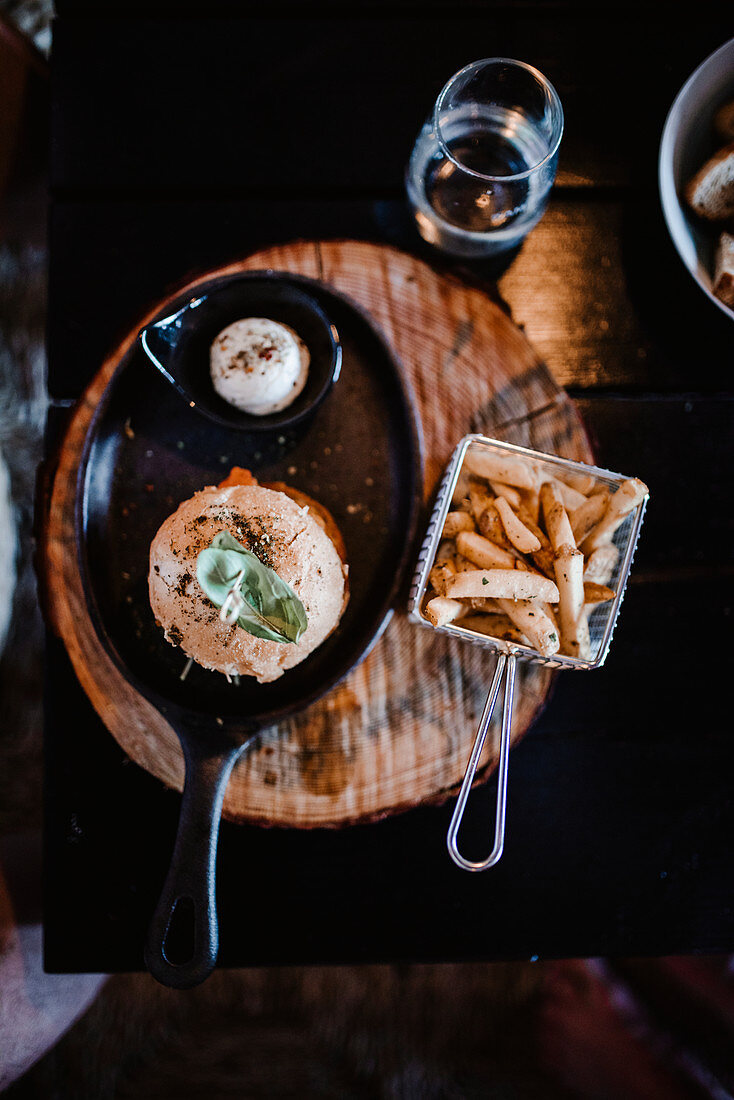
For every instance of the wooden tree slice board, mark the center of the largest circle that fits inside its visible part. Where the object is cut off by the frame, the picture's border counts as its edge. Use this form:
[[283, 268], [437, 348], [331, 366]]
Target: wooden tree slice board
[[398, 730]]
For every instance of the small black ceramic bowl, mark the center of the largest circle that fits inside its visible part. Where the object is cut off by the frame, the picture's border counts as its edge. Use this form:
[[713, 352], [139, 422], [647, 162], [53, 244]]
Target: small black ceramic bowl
[[179, 343]]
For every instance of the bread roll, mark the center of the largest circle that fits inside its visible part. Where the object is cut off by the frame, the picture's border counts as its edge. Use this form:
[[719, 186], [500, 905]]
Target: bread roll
[[724, 270], [724, 122], [711, 191]]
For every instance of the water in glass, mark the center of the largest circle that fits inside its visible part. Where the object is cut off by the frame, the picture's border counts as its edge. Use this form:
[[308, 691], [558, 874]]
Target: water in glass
[[467, 213]]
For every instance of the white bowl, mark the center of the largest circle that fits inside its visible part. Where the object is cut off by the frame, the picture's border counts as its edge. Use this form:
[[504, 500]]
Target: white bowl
[[688, 141]]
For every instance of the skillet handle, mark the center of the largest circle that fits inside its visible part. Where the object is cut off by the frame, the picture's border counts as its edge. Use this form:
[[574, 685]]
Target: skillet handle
[[182, 952]]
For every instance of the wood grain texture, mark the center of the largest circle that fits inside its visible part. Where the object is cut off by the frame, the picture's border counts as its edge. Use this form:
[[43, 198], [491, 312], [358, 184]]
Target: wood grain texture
[[398, 730]]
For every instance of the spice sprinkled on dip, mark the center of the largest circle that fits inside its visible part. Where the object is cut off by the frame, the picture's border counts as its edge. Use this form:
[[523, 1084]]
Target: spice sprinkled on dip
[[258, 365]]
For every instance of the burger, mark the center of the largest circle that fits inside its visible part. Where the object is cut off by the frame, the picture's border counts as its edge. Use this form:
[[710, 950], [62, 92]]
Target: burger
[[248, 579]]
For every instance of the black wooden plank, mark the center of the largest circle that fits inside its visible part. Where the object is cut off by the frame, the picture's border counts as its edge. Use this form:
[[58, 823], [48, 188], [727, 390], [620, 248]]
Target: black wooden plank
[[283, 101], [190, 9], [619, 824], [681, 448], [579, 285], [110, 262]]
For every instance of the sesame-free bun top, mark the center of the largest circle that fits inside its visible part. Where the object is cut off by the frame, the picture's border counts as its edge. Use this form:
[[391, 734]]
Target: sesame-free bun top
[[285, 536]]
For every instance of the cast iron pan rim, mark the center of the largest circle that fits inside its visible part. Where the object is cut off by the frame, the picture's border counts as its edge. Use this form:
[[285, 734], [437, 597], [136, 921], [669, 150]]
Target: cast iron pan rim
[[280, 421], [414, 482]]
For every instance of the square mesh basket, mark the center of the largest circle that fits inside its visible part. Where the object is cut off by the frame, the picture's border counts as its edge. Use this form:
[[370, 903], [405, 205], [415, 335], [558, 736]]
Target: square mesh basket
[[601, 620]]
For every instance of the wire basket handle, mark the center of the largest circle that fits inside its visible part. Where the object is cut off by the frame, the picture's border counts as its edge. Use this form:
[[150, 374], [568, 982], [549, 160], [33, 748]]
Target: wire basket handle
[[504, 664]]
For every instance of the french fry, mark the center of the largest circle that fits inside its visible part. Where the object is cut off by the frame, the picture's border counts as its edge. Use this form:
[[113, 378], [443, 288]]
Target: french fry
[[569, 497], [505, 468], [440, 611], [543, 561], [482, 603], [455, 522], [440, 574], [530, 505], [531, 521], [582, 483], [600, 564], [594, 596], [494, 626], [542, 558], [588, 514], [627, 497], [521, 537], [511, 584], [582, 640], [569, 568], [529, 617], [597, 593], [463, 565], [485, 554], [461, 489], [490, 525], [479, 498], [512, 496], [556, 518], [529, 567], [445, 552], [551, 613]]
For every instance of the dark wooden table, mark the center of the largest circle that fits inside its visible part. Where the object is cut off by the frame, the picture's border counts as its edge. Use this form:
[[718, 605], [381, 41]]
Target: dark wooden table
[[181, 141]]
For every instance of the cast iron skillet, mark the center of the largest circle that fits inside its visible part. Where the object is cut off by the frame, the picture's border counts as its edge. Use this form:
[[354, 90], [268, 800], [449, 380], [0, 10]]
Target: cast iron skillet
[[145, 451]]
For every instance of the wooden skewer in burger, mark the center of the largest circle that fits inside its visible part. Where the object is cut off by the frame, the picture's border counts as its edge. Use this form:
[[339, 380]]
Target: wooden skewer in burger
[[248, 579]]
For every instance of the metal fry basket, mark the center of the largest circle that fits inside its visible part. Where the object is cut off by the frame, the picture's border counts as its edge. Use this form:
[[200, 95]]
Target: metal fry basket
[[601, 620]]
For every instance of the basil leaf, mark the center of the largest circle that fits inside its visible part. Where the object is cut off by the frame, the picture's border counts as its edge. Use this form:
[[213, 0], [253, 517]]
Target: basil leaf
[[216, 572], [273, 610], [223, 540]]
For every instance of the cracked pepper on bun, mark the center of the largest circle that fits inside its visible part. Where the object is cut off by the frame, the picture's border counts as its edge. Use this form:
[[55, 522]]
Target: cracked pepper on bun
[[288, 532]]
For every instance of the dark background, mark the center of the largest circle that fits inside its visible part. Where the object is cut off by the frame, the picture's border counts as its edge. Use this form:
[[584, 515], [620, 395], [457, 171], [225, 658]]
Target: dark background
[[180, 142]]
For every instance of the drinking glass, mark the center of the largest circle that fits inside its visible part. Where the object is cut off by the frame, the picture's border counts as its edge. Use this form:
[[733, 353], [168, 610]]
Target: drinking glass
[[483, 165]]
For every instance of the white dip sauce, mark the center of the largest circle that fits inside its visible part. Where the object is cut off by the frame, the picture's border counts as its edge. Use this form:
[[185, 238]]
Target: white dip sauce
[[258, 365]]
